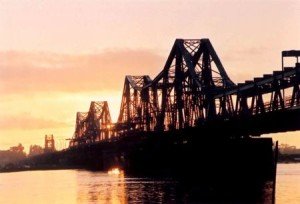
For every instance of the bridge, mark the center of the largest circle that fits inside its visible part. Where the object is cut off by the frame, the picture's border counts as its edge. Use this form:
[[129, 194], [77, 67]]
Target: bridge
[[191, 121], [194, 92]]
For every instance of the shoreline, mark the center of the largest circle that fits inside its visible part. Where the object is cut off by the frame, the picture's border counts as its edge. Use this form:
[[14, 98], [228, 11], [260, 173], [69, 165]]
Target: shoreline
[[39, 168]]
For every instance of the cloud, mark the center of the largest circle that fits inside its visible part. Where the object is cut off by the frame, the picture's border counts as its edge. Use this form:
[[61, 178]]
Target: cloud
[[27, 122], [246, 62], [50, 72], [28, 72], [242, 53]]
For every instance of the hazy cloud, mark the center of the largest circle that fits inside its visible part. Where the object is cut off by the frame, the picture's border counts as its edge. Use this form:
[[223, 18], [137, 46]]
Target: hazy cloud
[[29, 72], [27, 122]]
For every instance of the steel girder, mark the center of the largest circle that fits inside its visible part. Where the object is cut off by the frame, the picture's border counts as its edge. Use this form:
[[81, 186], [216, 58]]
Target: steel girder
[[267, 93], [192, 88], [181, 95], [94, 125]]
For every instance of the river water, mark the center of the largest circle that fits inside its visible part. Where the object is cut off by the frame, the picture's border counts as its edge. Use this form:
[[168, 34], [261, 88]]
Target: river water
[[79, 186]]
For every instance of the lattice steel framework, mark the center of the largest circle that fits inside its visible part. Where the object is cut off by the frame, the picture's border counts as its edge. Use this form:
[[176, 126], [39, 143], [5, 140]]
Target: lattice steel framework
[[181, 95], [192, 89], [94, 125]]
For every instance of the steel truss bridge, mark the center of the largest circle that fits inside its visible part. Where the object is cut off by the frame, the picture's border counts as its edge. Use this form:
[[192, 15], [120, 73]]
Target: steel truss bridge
[[193, 91]]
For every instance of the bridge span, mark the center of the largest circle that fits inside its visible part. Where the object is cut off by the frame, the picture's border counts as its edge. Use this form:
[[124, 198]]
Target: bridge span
[[191, 121], [193, 91]]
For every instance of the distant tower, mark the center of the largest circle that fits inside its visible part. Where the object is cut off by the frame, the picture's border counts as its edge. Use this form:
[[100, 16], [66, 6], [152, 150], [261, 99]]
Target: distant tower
[[49, 143]]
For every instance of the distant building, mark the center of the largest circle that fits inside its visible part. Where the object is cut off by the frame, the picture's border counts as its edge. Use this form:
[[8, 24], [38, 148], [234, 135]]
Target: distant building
[[49, 144], [287, 149], [13, 155], [35, 150]]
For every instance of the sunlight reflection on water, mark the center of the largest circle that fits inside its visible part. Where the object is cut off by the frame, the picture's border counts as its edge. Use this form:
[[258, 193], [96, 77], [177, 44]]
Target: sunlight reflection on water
[[78, 186]]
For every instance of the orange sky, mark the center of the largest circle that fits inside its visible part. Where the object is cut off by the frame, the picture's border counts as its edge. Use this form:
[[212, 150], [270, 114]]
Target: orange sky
[[57, 56]]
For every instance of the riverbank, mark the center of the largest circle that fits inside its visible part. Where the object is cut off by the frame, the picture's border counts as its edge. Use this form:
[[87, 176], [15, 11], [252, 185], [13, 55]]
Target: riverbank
[[289, 158], [45, 168]]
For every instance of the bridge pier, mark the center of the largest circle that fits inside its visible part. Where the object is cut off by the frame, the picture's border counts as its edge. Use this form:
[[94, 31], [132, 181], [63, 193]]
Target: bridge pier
[[226, 166]]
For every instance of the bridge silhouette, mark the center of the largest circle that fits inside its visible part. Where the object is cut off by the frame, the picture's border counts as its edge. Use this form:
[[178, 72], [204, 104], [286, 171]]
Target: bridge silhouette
[[194, 92], [192, 122]]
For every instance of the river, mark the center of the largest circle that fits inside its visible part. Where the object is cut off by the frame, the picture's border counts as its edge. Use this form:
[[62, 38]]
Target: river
[[79, 186]]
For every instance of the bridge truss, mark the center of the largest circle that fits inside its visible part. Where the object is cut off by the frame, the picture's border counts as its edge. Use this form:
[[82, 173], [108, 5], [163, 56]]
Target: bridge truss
[[92, 126], [192, 89]]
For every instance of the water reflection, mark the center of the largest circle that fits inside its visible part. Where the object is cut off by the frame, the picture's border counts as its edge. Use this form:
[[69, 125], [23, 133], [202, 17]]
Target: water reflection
[[288, 183], [97, 187], [78, 186], [100, 187], [111, 188]]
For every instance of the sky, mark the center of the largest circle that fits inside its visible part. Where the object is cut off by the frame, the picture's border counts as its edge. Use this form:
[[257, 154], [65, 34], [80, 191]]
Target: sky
[[57, 56]]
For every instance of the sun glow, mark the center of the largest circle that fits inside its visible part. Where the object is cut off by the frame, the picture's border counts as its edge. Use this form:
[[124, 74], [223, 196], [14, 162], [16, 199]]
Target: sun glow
[[114, 171]]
